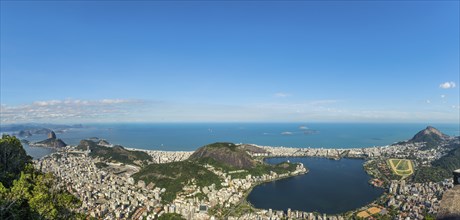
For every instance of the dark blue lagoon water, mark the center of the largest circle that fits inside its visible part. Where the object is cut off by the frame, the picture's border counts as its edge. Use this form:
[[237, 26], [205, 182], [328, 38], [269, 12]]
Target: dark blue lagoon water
[[329, 187]]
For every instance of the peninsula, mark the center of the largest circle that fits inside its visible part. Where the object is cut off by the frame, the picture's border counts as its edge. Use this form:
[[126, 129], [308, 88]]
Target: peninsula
[[51, 142]]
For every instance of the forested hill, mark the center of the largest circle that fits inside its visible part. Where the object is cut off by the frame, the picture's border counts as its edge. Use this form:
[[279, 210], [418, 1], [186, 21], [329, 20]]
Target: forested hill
[[26, 193]]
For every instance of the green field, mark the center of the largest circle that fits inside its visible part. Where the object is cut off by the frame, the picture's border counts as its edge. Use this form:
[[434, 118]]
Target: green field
[[401, 167]]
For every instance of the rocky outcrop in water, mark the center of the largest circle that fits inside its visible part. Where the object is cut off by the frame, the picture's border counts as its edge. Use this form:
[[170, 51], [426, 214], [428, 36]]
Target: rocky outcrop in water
[[51, 142]]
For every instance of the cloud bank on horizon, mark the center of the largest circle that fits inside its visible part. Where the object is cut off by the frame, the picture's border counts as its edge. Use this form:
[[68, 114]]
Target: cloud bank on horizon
[[133, 110], [66, 110]]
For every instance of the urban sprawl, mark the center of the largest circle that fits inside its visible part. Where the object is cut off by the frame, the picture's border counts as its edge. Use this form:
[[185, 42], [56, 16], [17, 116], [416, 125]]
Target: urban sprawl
[[111, 193]]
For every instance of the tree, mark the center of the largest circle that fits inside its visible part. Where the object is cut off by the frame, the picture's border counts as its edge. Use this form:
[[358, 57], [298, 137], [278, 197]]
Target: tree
[[13, 159], [26, 193], [170, 216]]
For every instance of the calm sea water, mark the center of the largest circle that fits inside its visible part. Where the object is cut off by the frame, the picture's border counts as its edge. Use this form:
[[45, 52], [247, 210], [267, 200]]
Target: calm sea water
[[190, 136], [329, 187], [37, 152]]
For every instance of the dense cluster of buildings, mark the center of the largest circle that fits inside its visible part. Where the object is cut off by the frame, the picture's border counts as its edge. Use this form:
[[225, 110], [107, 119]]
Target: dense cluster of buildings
[[278, 215], [231, 193], [403, 150], [167, 156], [103, 194], [415, 200], [112, 193], [323, 152]]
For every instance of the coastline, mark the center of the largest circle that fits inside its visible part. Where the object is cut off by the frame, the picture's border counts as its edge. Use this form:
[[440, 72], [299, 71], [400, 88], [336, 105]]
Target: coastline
[[367, 154], [246, 194]]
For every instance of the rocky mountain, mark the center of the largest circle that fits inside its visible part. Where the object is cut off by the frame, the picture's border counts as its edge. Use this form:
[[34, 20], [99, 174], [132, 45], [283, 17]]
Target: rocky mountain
[[429, 135], [52, 142], [52, 135], [226, 153]]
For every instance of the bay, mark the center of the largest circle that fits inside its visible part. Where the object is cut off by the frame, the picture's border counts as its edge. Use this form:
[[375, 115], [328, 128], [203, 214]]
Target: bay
[[190, 136]]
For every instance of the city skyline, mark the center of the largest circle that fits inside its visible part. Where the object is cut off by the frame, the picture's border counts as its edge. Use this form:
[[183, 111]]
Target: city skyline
[[253, 61]]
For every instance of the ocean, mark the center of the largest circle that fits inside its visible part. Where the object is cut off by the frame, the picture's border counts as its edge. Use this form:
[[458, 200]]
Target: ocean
[[190, 136]]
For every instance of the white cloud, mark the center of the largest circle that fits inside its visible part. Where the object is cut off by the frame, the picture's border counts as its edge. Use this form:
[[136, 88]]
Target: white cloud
[[282, 95], [443, 96], [323, 102], [47, 103], [125, 110], [65, 110], [115, 101], [428, 101], [447, 85]]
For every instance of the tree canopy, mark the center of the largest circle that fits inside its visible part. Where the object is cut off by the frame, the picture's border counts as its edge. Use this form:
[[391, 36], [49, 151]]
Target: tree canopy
[[13, 159], [26, 193]]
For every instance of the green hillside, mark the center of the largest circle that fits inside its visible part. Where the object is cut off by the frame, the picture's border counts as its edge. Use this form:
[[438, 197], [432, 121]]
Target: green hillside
[[227, 154], [441, 168], [174, 176], [116, 153], [224, 156]]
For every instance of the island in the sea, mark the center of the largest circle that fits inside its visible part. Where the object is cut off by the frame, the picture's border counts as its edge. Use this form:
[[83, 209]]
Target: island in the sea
[[214, 181]]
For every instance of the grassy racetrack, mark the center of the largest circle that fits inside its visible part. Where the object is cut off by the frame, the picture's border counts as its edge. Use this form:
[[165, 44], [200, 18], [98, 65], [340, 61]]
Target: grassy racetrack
[[401, 167]]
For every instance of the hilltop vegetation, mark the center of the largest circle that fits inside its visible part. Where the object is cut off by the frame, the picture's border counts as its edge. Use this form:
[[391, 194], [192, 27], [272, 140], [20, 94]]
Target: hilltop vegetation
[[227, 154], [230, 157], [174, 176], [116, 153], [26, 193], [13, 159], [450, 161], [223, 156], [441, 168]]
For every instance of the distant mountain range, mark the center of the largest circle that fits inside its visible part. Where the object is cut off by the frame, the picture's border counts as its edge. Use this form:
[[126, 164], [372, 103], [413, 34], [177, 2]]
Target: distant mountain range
[[30, 129]]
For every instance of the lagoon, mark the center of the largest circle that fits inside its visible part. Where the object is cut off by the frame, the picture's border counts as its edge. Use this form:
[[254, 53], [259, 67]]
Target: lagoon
[[330, 186]]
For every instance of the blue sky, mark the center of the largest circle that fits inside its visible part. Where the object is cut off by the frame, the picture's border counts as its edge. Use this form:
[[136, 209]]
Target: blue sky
[[185, 61]]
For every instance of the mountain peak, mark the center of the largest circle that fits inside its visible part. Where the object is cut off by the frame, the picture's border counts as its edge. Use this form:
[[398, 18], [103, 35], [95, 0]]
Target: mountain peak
[[226, 153], [430, 135], [432, 130], [52, 135]]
